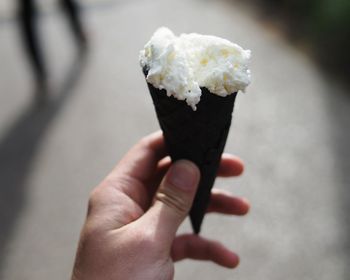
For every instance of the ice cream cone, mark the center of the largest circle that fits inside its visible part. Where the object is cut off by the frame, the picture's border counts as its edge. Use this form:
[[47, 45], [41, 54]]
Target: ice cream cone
[[199, 136], [193, 80]]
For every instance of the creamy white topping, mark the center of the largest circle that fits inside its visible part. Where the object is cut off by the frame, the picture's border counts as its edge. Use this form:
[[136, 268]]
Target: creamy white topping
[[182, 65]]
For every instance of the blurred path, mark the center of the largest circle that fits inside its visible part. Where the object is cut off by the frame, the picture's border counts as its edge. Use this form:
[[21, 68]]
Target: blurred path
[[291, 128]]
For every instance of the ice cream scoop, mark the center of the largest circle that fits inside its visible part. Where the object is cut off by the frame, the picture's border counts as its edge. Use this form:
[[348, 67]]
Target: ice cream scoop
[[185, 64]]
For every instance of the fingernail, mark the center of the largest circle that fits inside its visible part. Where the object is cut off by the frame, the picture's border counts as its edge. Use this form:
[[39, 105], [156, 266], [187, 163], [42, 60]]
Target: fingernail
[[184, 175]]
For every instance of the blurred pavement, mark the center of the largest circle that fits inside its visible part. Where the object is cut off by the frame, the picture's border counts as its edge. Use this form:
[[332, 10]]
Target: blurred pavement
[[291, 128]]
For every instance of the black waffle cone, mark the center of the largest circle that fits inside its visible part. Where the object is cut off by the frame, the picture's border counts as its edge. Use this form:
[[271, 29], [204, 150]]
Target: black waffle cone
[[199, 136]]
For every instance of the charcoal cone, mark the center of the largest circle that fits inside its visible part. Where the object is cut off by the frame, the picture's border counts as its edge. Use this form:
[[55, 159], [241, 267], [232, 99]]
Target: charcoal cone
[[198, 136]]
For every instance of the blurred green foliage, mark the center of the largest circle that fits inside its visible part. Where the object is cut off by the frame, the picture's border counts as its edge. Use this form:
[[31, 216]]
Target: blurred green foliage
[[326, 23]]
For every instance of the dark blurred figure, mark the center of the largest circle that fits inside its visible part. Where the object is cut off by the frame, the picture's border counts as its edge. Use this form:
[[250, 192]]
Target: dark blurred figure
[[27, 17]]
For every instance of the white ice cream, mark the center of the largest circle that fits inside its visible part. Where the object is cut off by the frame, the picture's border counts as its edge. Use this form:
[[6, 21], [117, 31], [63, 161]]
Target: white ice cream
[[182, 65]]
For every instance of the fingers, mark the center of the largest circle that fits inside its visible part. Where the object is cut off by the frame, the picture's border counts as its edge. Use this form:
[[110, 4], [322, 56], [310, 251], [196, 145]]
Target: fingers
[[230, 166], [162, 168], [141, 161], [173, 200], [225, 203], [191, 246], [221, 201]]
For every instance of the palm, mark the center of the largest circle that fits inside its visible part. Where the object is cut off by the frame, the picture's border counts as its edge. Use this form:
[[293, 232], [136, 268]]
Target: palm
[[127, 236]]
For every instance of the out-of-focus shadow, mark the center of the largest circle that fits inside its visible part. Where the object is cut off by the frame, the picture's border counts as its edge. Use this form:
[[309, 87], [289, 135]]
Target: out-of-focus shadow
[[339, 111], [18, 149]]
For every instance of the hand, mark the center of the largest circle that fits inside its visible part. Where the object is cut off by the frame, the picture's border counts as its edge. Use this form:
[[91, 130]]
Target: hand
[[133, 216]]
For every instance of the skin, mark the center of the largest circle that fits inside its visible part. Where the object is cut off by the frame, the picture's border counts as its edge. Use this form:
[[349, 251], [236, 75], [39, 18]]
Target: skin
[[135, 212]]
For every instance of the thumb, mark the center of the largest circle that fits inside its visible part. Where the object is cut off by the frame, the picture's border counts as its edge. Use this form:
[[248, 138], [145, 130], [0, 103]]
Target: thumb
[[174, 199]]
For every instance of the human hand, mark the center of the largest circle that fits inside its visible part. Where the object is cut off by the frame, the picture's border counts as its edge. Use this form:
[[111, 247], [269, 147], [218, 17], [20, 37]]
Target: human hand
[[133, 216]]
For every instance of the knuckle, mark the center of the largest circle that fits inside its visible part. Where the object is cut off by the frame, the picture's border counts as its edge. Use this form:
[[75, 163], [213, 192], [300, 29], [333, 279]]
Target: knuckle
[[172, 199], [145, 142], [94, 199], [99, 194]]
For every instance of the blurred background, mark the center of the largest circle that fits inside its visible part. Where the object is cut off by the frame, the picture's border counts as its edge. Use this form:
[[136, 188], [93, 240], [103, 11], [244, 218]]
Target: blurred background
[[67, 117]]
